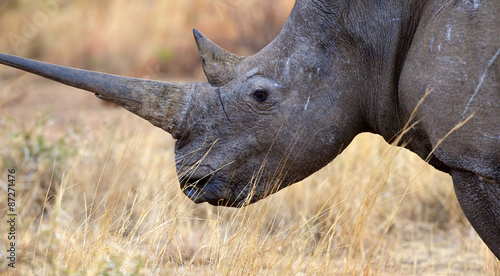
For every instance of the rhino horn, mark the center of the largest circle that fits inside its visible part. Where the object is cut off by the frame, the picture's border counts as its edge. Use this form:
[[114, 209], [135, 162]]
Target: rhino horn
[[158, 102], [218, 64]]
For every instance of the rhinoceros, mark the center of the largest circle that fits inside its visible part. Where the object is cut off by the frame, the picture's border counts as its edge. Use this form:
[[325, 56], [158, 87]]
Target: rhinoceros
[[426, 71]]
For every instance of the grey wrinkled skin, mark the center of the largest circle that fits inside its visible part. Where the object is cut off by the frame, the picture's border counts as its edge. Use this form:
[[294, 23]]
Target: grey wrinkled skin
[[336, 69]]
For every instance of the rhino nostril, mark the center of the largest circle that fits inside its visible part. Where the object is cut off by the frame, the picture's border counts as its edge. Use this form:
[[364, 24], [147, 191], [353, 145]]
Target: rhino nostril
[[182, 140]]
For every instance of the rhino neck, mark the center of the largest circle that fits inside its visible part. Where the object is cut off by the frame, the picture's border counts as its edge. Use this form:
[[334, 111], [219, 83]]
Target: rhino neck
[[361, 46], [380, 34]]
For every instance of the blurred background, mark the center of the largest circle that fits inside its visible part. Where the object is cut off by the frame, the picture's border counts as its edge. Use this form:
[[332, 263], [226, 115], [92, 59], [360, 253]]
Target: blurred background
[[136, 38]]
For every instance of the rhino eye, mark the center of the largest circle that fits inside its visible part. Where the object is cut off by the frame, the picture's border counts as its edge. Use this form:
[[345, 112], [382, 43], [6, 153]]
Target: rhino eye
[[260, 95]]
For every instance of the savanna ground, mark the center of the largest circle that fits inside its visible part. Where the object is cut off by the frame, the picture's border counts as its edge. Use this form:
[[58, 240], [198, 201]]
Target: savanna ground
[[96, 189]]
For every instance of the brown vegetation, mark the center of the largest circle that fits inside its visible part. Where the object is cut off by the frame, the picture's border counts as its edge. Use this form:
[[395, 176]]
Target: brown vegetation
[[138, 38]]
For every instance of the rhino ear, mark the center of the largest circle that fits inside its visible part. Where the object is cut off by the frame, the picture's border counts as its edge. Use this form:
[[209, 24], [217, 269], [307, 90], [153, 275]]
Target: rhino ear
[[218, 64]]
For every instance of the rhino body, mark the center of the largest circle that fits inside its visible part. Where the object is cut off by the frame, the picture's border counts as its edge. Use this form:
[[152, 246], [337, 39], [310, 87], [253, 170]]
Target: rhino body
[[425, 71]]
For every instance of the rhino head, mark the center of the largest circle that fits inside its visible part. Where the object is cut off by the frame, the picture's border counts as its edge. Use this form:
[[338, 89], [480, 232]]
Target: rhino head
[[259, 124], [263, 122]]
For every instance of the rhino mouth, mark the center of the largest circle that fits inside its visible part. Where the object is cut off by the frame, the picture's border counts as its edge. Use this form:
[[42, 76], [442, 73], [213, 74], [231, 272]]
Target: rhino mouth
[[208, 189]]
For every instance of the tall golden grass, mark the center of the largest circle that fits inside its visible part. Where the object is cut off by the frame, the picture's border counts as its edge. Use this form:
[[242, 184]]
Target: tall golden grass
[[97, 192]]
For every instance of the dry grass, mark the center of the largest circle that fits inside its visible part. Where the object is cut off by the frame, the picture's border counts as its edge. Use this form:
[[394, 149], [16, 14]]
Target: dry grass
[[97, 191], [101, 196]]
